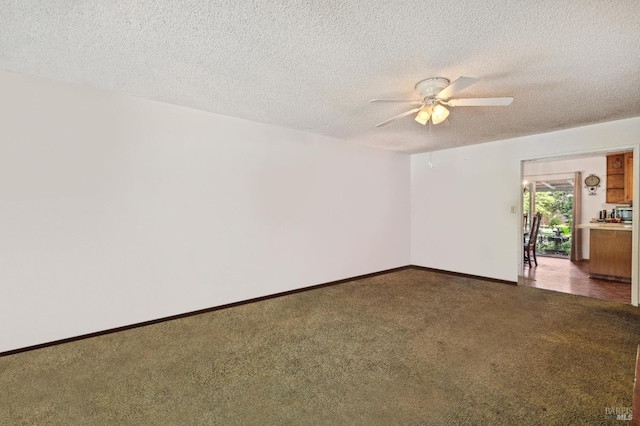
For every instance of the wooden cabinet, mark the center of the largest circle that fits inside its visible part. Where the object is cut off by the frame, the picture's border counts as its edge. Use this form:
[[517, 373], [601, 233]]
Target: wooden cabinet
[[628, 177], [620, 177], [610, 255]]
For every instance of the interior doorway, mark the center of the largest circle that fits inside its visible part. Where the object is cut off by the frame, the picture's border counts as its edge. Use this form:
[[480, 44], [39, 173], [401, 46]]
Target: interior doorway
[[551, 187]]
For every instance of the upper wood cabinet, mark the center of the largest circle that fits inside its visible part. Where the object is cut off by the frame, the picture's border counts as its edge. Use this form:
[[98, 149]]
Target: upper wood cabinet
[[620, 177], [628, 177]]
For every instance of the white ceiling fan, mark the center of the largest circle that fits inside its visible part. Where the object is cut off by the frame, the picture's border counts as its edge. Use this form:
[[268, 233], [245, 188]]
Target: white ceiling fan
[[436, 93]]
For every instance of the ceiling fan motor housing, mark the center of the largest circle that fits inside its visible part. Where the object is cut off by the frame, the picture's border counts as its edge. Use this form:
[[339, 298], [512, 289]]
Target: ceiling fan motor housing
[[431, 86]]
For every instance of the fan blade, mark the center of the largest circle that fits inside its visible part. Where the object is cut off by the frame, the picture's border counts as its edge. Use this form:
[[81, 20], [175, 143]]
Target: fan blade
[[406, 101], [457, 86], [481, 102], [404, 114]]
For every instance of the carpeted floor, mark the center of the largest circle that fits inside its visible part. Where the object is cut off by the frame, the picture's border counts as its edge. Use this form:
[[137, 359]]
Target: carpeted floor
[[406, 348]]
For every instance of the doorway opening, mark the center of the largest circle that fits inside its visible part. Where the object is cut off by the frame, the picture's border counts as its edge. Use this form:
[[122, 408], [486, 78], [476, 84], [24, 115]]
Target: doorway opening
[[552, 197], [555, 188]]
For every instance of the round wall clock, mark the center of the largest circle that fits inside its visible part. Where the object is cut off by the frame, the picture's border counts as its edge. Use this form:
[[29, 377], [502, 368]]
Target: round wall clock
[[592, 182]]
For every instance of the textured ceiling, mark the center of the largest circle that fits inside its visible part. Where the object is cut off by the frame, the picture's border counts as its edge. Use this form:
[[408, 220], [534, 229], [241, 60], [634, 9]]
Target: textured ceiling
[[313, 66]]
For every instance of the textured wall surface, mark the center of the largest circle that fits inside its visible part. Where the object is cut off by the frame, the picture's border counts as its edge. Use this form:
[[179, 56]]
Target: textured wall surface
[[116, 210], [313, 66]]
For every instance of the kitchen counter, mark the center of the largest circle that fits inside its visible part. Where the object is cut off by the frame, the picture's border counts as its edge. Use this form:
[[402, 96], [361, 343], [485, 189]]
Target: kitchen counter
[[609, 252], [606, 226]]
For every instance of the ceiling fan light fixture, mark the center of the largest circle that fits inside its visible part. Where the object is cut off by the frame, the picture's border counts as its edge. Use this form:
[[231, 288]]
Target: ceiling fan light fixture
[[424, 114], [439, 114], [437, 94]]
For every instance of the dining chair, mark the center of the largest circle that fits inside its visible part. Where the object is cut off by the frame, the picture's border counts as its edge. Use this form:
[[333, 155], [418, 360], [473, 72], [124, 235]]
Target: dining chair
[[531, 239]]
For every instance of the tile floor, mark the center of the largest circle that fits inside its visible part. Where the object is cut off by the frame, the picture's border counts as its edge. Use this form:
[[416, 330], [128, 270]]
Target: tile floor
[[562, 275]]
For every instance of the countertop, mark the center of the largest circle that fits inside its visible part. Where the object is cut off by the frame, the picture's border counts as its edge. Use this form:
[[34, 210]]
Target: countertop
[[606, 226]]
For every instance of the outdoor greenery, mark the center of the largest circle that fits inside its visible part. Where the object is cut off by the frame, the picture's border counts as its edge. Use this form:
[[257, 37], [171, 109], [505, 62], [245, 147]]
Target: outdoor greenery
[[556, 206], [554, 235]]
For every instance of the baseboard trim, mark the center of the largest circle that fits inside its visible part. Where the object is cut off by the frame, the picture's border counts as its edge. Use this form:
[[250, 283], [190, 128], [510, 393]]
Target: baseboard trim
[[244, 302], [458, 274], [201, 311]]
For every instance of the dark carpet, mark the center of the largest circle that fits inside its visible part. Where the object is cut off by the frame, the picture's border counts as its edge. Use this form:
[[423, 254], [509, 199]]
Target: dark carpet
[[410, 347]]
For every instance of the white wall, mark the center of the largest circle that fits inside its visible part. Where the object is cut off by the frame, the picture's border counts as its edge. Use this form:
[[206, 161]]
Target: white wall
[[591, 204], [461, 216], [116, 210]]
